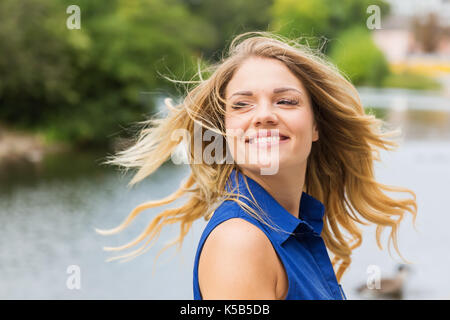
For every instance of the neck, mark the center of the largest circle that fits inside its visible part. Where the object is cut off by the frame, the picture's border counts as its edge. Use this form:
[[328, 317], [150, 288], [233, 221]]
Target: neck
[[285, 187]]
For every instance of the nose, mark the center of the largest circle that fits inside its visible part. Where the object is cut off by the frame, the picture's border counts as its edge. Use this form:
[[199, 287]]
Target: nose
[[264, 115]]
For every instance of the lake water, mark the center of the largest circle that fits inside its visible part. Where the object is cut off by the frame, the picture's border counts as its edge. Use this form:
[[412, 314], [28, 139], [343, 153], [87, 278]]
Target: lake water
[[48, 213]]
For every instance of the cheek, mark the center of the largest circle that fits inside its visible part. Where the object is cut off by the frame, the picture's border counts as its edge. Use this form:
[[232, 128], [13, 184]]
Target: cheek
[[302, 127], [229, 123], [235, 121], [234, 127], [300, 124]]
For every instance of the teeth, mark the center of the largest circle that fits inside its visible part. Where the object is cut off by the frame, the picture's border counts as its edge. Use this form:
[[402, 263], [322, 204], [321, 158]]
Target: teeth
[[265, 139]]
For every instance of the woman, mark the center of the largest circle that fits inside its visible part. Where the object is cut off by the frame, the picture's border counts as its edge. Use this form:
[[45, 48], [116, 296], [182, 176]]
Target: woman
[[299, 180]]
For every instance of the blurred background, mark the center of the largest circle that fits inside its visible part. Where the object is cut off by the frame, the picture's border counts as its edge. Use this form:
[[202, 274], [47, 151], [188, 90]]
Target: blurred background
[[69, 97]]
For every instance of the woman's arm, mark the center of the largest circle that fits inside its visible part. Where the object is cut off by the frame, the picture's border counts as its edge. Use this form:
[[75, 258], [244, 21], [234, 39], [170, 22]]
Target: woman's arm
[[237, 262]]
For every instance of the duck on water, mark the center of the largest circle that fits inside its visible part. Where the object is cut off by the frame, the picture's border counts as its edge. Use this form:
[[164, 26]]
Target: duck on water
[[389, 288]]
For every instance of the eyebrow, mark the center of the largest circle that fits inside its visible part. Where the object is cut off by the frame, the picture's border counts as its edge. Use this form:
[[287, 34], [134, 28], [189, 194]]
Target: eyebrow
[[276, 90]]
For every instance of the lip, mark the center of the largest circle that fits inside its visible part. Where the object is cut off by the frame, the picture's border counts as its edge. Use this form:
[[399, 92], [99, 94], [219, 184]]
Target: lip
[[283, 139], [266, 133]]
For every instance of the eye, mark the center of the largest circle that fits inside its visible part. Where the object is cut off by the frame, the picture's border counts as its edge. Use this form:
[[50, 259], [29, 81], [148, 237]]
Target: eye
[[239, 105], [288, 101]]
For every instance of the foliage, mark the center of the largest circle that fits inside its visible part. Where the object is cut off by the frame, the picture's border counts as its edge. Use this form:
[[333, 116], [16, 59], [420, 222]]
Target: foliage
[[35, 62], [83, 85], [317, 19], [229, 18], [357, 56]]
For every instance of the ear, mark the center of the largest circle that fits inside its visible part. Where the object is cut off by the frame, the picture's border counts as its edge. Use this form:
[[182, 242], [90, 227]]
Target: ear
[[315, 135]]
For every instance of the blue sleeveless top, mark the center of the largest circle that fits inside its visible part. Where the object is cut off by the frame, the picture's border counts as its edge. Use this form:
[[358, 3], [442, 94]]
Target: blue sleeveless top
[[304, 255]]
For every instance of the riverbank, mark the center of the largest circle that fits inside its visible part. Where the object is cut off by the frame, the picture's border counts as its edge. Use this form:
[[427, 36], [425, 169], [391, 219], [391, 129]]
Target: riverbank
[[18, 145]]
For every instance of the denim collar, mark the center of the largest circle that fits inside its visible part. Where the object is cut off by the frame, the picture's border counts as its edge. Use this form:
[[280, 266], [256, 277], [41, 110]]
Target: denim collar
[[311, 209]]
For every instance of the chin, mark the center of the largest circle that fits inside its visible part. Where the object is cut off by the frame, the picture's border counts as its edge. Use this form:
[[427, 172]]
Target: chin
[[264, 168]]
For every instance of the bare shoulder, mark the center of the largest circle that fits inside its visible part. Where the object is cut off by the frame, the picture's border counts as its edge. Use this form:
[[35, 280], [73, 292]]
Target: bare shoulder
[[237, 262]]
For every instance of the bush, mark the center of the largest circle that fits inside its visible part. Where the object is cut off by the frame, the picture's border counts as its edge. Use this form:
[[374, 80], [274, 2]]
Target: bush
[[355, 53]]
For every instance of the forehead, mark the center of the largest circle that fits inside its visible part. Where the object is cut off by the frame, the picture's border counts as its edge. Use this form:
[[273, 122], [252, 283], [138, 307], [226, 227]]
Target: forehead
[[258, 74]]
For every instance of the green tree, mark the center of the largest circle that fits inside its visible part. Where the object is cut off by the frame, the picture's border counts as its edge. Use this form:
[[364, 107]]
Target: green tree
[[358, 57], [229, 18], [315, 19], [84, 85], [35, 61]]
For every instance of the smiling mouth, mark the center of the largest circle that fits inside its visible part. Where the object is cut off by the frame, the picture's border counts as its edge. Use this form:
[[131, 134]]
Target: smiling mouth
[[266, 140]]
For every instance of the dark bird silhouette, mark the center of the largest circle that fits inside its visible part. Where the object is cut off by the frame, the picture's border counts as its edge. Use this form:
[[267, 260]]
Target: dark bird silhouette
[[390, 288]]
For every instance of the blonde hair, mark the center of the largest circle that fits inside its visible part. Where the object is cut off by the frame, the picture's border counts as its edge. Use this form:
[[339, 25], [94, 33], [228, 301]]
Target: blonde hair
[[339, 172]]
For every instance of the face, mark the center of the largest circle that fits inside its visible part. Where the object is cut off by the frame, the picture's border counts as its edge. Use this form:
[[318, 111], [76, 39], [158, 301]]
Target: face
[[268, 116]]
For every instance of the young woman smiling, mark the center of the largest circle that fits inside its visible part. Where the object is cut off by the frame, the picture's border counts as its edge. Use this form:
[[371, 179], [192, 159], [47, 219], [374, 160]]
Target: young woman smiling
[[267, 234]]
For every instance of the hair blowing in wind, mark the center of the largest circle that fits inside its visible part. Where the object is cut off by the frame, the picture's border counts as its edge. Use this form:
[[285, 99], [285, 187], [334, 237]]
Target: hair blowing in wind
[[340, 167]]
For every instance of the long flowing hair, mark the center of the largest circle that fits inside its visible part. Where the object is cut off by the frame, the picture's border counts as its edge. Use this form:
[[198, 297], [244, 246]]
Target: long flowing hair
[[340, 167]]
